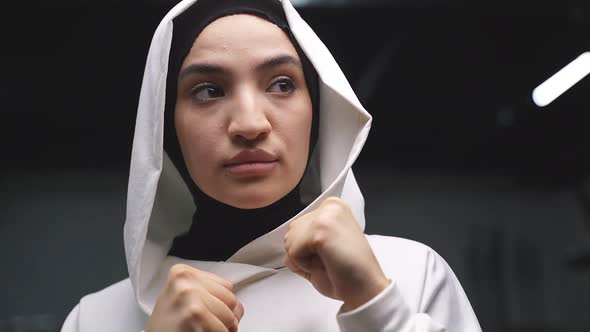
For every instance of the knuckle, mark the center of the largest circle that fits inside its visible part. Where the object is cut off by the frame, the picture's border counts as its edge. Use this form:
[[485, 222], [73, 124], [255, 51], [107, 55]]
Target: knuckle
[[232, 301], [322, 223], [179, 271], [197, 311], [333, 201], [182, 292], [318, 239], [181, 295], [334, 207], [227, 284]]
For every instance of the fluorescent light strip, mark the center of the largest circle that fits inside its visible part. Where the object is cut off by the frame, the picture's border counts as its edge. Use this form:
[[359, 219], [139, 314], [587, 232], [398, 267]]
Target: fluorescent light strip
[[562, 81]]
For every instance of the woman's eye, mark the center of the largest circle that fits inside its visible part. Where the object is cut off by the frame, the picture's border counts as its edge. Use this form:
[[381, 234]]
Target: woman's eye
[[282, 85], [206, 91]]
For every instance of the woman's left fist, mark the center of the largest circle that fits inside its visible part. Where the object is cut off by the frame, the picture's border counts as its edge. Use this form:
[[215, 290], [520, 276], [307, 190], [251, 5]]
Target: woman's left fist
[[328, 248]]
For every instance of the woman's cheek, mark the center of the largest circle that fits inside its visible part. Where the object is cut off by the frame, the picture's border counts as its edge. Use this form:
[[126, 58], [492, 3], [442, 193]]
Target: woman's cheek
[[206, 146]]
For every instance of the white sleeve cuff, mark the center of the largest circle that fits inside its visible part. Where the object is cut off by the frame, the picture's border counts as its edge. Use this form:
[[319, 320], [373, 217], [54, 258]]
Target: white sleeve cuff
[[385, 312]]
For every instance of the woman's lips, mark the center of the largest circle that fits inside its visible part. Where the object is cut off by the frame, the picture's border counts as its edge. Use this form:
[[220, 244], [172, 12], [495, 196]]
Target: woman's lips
[[251, 162], [251, 168]]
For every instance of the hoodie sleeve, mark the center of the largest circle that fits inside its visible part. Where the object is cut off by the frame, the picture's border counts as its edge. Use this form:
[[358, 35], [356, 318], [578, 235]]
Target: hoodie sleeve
[[71, 322], [442, 306]]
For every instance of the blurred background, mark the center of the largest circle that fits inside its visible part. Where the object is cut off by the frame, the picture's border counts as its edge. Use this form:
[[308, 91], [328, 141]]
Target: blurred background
[[459, 157]]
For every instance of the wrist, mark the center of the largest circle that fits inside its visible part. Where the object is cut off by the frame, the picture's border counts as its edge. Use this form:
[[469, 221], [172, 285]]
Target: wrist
[[365, 293]]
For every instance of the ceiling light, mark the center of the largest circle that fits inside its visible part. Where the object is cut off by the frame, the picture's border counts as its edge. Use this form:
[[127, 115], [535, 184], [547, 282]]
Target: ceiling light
[[562, 81]]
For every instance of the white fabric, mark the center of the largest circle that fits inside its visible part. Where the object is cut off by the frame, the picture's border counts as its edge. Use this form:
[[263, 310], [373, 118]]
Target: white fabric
[[425, 296]]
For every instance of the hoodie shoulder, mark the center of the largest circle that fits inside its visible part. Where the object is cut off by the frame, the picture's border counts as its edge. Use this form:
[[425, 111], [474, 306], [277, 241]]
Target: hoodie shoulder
[[393, 240], [389, 248], [415, 267], [111, 309]]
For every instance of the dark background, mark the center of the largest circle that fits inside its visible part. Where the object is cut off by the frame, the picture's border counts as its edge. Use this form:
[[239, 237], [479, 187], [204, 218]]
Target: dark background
[[459, 157]]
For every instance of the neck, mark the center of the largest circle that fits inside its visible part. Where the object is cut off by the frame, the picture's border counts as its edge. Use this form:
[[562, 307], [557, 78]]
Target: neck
[[219, 230]]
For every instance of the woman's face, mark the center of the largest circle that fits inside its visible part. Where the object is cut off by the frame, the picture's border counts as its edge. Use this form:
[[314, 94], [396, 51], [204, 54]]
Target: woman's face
[[243, 113]]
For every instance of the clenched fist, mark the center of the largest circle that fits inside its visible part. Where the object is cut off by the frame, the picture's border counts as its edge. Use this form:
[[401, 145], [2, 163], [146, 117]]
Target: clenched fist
[[193, 300], [328, 248]]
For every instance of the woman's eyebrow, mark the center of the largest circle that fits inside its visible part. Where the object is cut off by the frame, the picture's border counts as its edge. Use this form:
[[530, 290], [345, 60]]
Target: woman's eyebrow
[[200, 68], [277, 61], [203, 68]]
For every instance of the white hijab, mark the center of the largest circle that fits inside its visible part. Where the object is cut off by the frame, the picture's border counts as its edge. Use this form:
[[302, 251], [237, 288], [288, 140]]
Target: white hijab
[[160, 206]]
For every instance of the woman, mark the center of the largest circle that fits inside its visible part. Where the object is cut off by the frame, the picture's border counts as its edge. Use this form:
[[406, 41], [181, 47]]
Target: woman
[[259, 128]]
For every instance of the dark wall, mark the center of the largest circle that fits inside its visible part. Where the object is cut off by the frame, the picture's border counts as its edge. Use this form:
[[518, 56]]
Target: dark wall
[[510, 246], [449, 85]]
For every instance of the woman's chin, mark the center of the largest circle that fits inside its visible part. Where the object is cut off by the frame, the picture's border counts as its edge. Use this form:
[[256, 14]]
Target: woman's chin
[[250, 199], [251, 202], [253, 194]]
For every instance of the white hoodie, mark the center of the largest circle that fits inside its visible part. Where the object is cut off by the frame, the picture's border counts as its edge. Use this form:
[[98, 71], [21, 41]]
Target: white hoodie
[[425, 295]]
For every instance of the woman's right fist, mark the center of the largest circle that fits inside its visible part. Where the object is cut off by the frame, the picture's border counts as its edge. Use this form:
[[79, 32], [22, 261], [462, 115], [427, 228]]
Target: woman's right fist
[[193, 300]]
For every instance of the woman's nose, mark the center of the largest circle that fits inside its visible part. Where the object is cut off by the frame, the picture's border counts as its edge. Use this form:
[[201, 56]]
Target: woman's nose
[[249, 120]]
